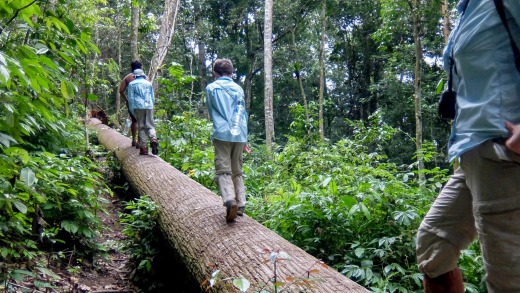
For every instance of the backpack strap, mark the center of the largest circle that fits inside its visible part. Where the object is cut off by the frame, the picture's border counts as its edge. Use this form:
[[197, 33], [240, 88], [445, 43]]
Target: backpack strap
[[502, 13]]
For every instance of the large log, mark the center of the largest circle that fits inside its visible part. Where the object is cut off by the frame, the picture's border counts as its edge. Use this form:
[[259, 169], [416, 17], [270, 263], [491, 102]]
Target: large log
[[192, 219]]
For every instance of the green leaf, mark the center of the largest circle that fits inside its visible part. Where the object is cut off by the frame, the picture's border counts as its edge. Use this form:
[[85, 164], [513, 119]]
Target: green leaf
[[41, 48], [69, 226], [92, 97], [64, 90], [241, 284], [27, 176], [326, 181], [19, 275], [440, 86], [4, 73], [359, 252], [20, 206], [40, 284], [49, 273], [6, 139]]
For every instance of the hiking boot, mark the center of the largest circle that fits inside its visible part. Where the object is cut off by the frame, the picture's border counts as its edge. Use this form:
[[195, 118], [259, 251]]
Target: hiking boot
[[143, 151], [134, 143], [450, 282], [154, 144], [231, 210], [240, 211]]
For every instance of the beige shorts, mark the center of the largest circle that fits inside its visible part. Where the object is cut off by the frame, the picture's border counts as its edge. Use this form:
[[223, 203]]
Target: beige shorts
[[482, 198]]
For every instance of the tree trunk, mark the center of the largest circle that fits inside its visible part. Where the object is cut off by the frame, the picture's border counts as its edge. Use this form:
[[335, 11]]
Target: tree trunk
[[119, 65], [192, 219], [446, 28], [201, 57], [417, 87], [268, 74], [251, 61], [134, 31], [165, 36], [322, 66]]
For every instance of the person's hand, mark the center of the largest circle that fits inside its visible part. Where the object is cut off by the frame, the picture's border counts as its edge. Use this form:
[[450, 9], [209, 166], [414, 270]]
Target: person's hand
[[513, 142], [248, 150]]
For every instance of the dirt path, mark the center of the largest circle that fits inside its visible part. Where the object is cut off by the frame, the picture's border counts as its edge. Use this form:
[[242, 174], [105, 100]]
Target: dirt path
[[109, 274]]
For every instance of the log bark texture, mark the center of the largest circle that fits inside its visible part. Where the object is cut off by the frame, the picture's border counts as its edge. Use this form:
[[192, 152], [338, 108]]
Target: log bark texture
[[192, 219]]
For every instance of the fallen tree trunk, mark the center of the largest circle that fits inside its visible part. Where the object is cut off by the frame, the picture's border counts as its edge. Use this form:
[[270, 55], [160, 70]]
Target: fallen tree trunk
[[192, 219]]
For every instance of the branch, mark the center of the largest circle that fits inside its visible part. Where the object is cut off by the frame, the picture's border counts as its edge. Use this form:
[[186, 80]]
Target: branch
[[15, 15]]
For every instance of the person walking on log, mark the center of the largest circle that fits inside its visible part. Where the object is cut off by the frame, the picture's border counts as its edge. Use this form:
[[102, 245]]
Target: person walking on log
[[226, 107], [122, 91], [482, 198], [141, 101]]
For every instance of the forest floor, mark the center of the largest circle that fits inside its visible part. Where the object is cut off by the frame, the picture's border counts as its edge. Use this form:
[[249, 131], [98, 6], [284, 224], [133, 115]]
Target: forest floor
[[109, 272]]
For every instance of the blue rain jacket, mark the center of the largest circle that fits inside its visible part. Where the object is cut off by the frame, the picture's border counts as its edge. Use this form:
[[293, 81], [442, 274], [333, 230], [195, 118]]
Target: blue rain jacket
[[222, 96], [140, 94], [486, 80]]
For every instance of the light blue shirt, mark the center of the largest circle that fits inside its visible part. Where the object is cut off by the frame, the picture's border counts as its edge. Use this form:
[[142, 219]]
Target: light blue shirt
[[140, 94], [222, 96], [485, 77]]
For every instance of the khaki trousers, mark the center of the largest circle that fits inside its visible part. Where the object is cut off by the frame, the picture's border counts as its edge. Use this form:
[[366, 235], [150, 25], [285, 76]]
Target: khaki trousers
[[482, 198], [228, 171], [146, 125]]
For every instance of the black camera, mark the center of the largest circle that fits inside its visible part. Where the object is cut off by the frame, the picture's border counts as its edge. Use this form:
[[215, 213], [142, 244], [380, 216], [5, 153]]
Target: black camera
[[447, 104]]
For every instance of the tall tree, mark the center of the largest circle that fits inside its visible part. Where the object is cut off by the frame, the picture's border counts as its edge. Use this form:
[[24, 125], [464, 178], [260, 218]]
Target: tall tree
[[268, 74], [446, 27], [322, 65], [118, 22], [134, 49], [165, 36], [415, 6]]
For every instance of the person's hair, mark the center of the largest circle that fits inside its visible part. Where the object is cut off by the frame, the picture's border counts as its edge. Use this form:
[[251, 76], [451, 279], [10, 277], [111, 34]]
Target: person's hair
[[136, 65], [223, 67]]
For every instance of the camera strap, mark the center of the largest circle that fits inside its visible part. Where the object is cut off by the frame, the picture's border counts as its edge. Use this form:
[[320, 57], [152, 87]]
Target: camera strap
[[502, 13], [450, 79]]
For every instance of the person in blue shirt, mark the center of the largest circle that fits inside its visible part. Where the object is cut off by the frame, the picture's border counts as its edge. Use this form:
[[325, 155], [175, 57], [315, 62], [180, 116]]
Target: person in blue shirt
[[141, 100], [222, 97], [482, 198]]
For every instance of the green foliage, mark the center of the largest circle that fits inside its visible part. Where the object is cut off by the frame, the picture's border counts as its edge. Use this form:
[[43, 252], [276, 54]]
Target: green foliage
[[175, 95], [185, 143], [343, 202], [48, 196], [49, 189], [346, 204], [141, 230]]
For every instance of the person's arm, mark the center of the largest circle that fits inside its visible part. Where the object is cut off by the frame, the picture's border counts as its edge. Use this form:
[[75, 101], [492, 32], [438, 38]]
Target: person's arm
[[122, 90], [124, 85], [247, 149], [513, 141]]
